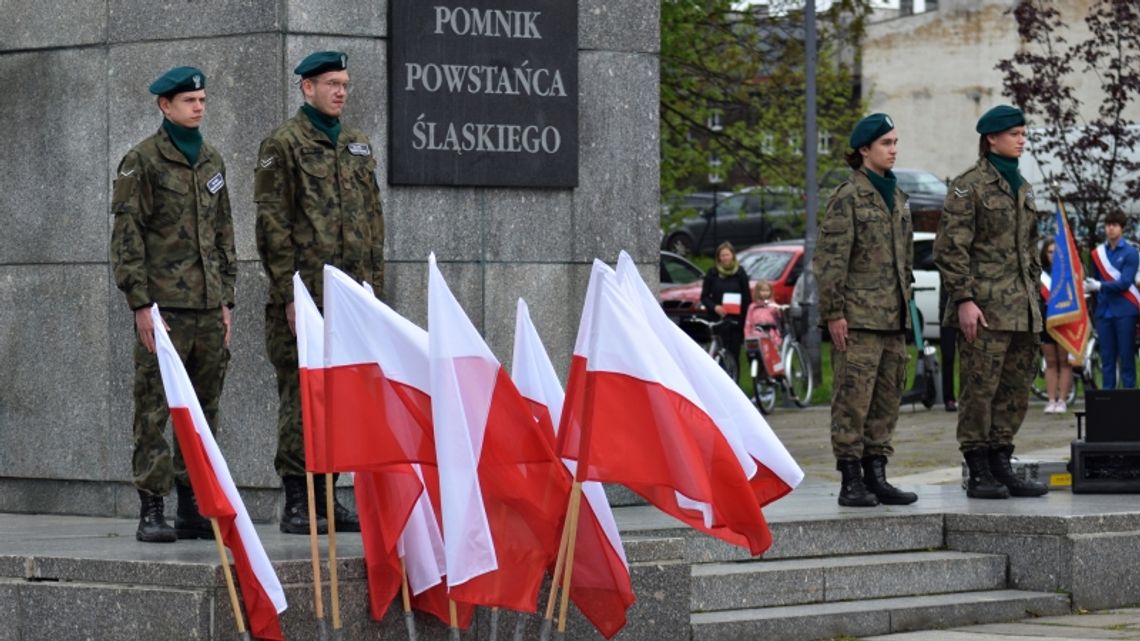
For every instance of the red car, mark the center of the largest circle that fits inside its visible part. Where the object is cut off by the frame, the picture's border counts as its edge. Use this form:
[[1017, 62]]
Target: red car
[[779, 263]]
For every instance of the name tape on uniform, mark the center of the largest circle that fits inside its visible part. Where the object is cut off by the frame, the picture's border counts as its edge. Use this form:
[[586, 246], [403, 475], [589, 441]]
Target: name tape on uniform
[[359, 149]]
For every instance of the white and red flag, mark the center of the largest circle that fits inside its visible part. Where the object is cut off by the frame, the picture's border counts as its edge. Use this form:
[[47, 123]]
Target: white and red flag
[[216, 494], [503, 490], [375, 417], [771, 470], [376, 368], [311, 374], [600, 583], [626, 394]]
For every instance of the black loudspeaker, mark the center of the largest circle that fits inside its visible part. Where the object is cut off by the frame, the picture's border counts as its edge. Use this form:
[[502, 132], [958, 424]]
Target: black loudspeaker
[[1105, 467], [1112, 416]]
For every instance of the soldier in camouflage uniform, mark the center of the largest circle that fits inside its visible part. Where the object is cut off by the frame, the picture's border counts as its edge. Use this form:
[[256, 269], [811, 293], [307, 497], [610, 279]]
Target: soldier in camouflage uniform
[[986, 251], [173, 245], [863, 265], [318, 203]]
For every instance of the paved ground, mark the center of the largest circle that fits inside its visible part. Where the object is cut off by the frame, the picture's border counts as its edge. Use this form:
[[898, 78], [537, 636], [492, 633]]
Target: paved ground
[[924, 441], [926, 452]]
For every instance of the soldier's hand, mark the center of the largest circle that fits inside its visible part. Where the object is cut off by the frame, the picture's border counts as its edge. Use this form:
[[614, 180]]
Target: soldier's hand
[[838, 330], [970, 316], [291, 316], [144, 327], [227, 322]]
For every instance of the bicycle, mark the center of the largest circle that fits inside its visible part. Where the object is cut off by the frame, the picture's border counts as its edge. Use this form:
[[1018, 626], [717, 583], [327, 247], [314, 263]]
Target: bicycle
[[716, 349], [784, 367]]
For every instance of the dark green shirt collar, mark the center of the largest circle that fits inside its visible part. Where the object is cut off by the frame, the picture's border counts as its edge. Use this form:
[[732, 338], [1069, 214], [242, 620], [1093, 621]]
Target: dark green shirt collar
[[185, 139], [885, 185], [1007, 167], [328, 125]]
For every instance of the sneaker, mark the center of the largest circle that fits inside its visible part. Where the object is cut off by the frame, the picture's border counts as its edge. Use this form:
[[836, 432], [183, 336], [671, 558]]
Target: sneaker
[[1060, 408], [1050, 407]]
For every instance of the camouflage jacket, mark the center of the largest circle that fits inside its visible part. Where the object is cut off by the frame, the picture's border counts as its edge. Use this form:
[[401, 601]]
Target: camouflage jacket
[[173, 237], [863, 257], [986, 250], [317, 204]]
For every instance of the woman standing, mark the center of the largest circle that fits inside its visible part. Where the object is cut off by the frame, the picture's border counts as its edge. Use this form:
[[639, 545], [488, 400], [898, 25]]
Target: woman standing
[[725, 293], [1058, 373]]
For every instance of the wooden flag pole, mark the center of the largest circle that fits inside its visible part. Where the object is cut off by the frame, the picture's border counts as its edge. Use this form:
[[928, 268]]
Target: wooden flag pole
[[554, 580], [229, 577], [315, 549], [454, 616], [406, 594], [568, 571], [330, 517]]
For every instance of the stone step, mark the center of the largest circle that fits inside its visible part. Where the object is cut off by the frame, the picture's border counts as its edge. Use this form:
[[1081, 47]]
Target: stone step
[[757, 584], [826, 537], [874, 616]]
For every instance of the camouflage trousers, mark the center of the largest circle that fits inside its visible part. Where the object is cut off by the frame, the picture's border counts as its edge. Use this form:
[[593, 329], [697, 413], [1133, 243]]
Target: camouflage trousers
[[282, 347], [199, 338], [997, 371], [866, 386]]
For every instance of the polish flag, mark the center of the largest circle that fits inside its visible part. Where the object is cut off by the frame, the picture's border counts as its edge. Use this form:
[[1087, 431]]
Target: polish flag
[[379, 361], [628, 395], [310, 365], [503, 490], [216, 493], [376, 416], [769, 466], [600, 583]]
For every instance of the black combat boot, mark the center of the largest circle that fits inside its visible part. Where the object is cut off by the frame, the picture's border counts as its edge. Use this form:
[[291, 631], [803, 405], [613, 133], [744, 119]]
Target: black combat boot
[[981, 484], [853, 493], [188, 522], [153, 527], [875, 478], [295, 518], [1003, 473], [344, 519]]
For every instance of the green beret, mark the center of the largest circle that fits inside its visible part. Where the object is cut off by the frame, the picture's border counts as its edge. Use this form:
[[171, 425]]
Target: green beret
[[178, 80], [999, 119], [317, 63], [869, 129]]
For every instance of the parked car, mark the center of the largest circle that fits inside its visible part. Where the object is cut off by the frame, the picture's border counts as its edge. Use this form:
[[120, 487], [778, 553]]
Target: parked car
[[926, 284], [925, 192], [677, 270], [780, 263], [751, 216]]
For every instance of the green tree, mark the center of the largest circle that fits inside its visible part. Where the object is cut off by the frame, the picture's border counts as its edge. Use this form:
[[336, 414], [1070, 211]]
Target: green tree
[[732, 87]]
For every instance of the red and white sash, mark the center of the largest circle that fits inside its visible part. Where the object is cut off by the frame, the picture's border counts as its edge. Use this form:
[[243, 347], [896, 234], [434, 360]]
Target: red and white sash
[[1046, 285], [1109, 273]]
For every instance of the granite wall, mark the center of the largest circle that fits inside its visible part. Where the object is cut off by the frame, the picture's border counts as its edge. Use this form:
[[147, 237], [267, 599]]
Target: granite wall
[[76, 73]]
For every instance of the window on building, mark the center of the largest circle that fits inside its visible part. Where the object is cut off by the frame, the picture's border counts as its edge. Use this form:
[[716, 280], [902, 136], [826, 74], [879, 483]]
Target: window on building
[[715, 175], [715, 119]]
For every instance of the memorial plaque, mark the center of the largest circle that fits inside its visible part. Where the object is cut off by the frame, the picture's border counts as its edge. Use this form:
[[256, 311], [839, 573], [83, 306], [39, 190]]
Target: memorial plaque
[[484, 93]]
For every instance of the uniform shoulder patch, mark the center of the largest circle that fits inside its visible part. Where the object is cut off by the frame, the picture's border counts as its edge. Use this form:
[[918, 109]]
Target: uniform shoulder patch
[[960, 192], [216, 183], [267, 162], [359, 149]]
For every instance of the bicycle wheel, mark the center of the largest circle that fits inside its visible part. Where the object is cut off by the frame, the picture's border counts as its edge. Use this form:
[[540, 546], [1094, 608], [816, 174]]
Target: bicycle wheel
[[764, 392], [1039, 381], [726, 363], [797, 375]]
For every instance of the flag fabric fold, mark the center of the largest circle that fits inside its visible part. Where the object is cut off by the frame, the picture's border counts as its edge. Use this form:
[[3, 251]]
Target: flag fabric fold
[[216, 494], [503, 491], [376, 416], [377, 367], [311, 375], [1066, 312], [626, 393], [600, 583]]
